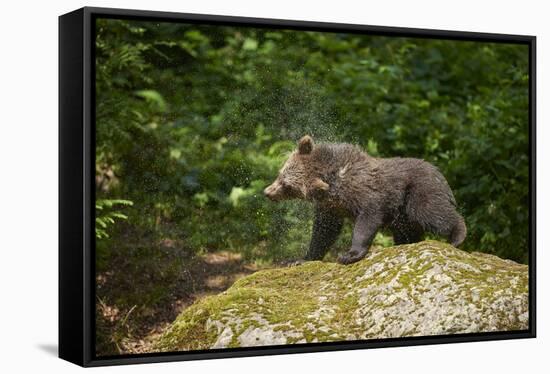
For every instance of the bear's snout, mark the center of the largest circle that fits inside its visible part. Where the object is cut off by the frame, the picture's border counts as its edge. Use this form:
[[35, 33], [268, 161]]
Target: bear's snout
[[271, 191]]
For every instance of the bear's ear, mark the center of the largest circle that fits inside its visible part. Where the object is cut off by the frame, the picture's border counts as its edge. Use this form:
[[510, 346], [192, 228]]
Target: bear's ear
[[317, 189], [305, 145], [319, 184]]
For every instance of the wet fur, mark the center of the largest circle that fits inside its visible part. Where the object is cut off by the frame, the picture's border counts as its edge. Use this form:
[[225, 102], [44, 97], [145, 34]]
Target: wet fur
[[408, 196]]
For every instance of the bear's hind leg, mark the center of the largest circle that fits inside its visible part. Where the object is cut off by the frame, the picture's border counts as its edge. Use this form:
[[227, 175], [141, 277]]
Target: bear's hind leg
[[458, 233], [436, 213], [445, 222]]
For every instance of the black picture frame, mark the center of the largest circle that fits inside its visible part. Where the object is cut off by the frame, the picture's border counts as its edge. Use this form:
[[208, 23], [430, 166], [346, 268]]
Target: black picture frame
[[76, 185]]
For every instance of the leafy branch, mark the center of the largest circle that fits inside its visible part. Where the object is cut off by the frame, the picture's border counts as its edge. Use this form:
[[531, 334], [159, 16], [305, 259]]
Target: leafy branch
[[106, 215]]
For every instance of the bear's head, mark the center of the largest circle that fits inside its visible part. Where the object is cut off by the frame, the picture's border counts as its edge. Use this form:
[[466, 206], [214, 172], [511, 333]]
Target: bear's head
[[296, 179]]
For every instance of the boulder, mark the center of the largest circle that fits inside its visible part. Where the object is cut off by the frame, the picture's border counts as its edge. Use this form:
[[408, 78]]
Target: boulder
[[421, 289]]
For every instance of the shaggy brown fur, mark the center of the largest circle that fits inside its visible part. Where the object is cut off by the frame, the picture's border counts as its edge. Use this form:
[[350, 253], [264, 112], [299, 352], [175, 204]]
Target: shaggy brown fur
[[406, 195]]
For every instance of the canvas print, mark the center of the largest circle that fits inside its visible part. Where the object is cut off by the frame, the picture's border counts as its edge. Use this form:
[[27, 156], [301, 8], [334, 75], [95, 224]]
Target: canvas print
[[260, 186]]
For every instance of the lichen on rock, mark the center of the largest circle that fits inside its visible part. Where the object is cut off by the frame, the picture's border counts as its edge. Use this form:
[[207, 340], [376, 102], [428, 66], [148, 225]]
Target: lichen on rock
[[421, 289]]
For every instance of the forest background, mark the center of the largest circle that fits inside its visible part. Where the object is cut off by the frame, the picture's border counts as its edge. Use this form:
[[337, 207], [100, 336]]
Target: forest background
[[193, 121]]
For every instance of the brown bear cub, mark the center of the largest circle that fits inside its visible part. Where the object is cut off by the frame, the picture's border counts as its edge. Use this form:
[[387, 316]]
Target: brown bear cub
[[408, 196]]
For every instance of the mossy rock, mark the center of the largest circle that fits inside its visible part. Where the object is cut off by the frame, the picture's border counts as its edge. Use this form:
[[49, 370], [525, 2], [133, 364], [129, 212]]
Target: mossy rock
[[427, 288]]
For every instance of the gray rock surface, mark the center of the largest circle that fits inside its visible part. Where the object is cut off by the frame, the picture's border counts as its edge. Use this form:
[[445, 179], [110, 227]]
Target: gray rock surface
[[427, 288]]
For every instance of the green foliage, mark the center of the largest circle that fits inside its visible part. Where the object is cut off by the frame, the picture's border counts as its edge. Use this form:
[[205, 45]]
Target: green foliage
[[194, 121], [106, 215]]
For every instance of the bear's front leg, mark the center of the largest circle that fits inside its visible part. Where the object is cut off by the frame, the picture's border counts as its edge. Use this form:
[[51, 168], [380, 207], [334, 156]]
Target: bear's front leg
[[363, 233], [326, 227]]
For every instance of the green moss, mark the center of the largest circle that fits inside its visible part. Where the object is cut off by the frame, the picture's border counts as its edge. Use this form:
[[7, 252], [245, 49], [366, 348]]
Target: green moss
[[392, 292], [188, 332]]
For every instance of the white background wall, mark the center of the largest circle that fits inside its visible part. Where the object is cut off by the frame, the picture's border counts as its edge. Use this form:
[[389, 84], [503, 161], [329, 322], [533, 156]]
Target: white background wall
[[28, 183]]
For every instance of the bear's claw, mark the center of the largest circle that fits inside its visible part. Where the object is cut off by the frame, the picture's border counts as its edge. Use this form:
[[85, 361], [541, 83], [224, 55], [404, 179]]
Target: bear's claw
[[351, 257]]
